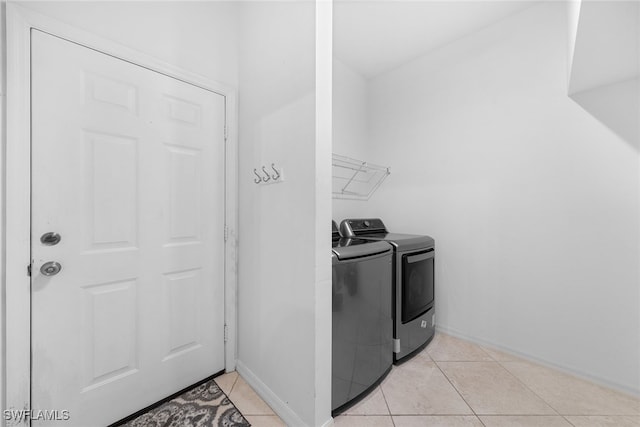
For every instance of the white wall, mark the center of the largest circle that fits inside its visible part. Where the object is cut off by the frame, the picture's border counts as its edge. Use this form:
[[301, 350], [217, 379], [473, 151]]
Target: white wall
[[350, 130], [278, 347], [617, 105], [573, 18], [200, 37], [350, 125], [606, 44], [323, 286], [533, 203], [3, 139], [604, 38]]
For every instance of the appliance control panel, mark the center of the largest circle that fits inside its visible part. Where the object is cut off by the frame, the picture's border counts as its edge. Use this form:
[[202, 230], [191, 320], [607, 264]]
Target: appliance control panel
[[353, 227]]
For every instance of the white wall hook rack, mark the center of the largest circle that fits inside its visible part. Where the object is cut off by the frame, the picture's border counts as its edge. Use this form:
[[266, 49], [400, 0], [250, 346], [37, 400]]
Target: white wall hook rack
[[265, 176]]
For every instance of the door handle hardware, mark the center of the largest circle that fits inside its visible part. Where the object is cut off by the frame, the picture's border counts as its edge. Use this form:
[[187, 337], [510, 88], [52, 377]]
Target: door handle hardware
[[50, 239], [50, 268]]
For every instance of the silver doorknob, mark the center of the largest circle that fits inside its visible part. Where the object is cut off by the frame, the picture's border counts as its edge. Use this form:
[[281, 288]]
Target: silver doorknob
[[50, 268]]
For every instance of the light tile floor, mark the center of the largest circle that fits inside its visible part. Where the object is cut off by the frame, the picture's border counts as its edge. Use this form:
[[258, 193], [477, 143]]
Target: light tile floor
[[456, 383], [254, 409]]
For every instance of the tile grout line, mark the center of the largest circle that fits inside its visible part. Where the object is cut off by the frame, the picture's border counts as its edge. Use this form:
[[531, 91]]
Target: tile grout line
[[515, 359], [435, 362], [231, 391], [385, 399], [500, 363], [454, 387], [567, 420], [555, 371], [520, 381], [531, 390], [457, 391], [234, 384]]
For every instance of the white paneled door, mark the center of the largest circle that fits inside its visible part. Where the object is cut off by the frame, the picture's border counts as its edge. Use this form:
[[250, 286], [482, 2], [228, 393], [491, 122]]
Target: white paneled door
[[128, 170]]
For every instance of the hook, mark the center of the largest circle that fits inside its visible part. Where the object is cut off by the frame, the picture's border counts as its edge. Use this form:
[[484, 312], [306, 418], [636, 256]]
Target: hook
[[259, 179], [267, 177], [277, 175]]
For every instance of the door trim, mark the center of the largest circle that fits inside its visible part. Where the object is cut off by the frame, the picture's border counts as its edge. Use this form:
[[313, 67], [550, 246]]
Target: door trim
[[17, 202]]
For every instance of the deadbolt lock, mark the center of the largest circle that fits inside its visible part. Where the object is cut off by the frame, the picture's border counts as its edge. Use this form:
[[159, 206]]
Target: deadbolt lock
[[50, 238], [50, 268]]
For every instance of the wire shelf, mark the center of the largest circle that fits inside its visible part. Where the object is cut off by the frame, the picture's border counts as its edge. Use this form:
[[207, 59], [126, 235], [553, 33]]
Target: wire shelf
[[356, 179]]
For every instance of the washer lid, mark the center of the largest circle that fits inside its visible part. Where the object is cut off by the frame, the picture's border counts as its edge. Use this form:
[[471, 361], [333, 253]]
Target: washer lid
[[347, 248], [402, 242]]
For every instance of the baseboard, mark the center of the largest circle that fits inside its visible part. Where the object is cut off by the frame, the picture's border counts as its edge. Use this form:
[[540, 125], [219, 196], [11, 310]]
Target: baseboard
[[547, 363], [279, 407], [328, 423]]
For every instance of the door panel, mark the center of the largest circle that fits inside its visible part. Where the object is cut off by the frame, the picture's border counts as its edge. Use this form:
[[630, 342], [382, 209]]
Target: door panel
[[128, 167]]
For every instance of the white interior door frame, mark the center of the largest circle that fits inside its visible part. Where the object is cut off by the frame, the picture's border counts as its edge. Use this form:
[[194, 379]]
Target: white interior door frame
[[17, 202]]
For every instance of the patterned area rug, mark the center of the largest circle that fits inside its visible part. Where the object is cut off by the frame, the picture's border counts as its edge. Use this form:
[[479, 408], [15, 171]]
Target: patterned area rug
[[202, 406]]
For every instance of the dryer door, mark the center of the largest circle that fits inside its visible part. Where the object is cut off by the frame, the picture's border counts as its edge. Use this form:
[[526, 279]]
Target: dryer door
[[417, 284]]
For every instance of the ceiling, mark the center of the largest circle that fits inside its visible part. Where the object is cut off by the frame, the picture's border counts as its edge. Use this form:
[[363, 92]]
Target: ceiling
[[376, 36]]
